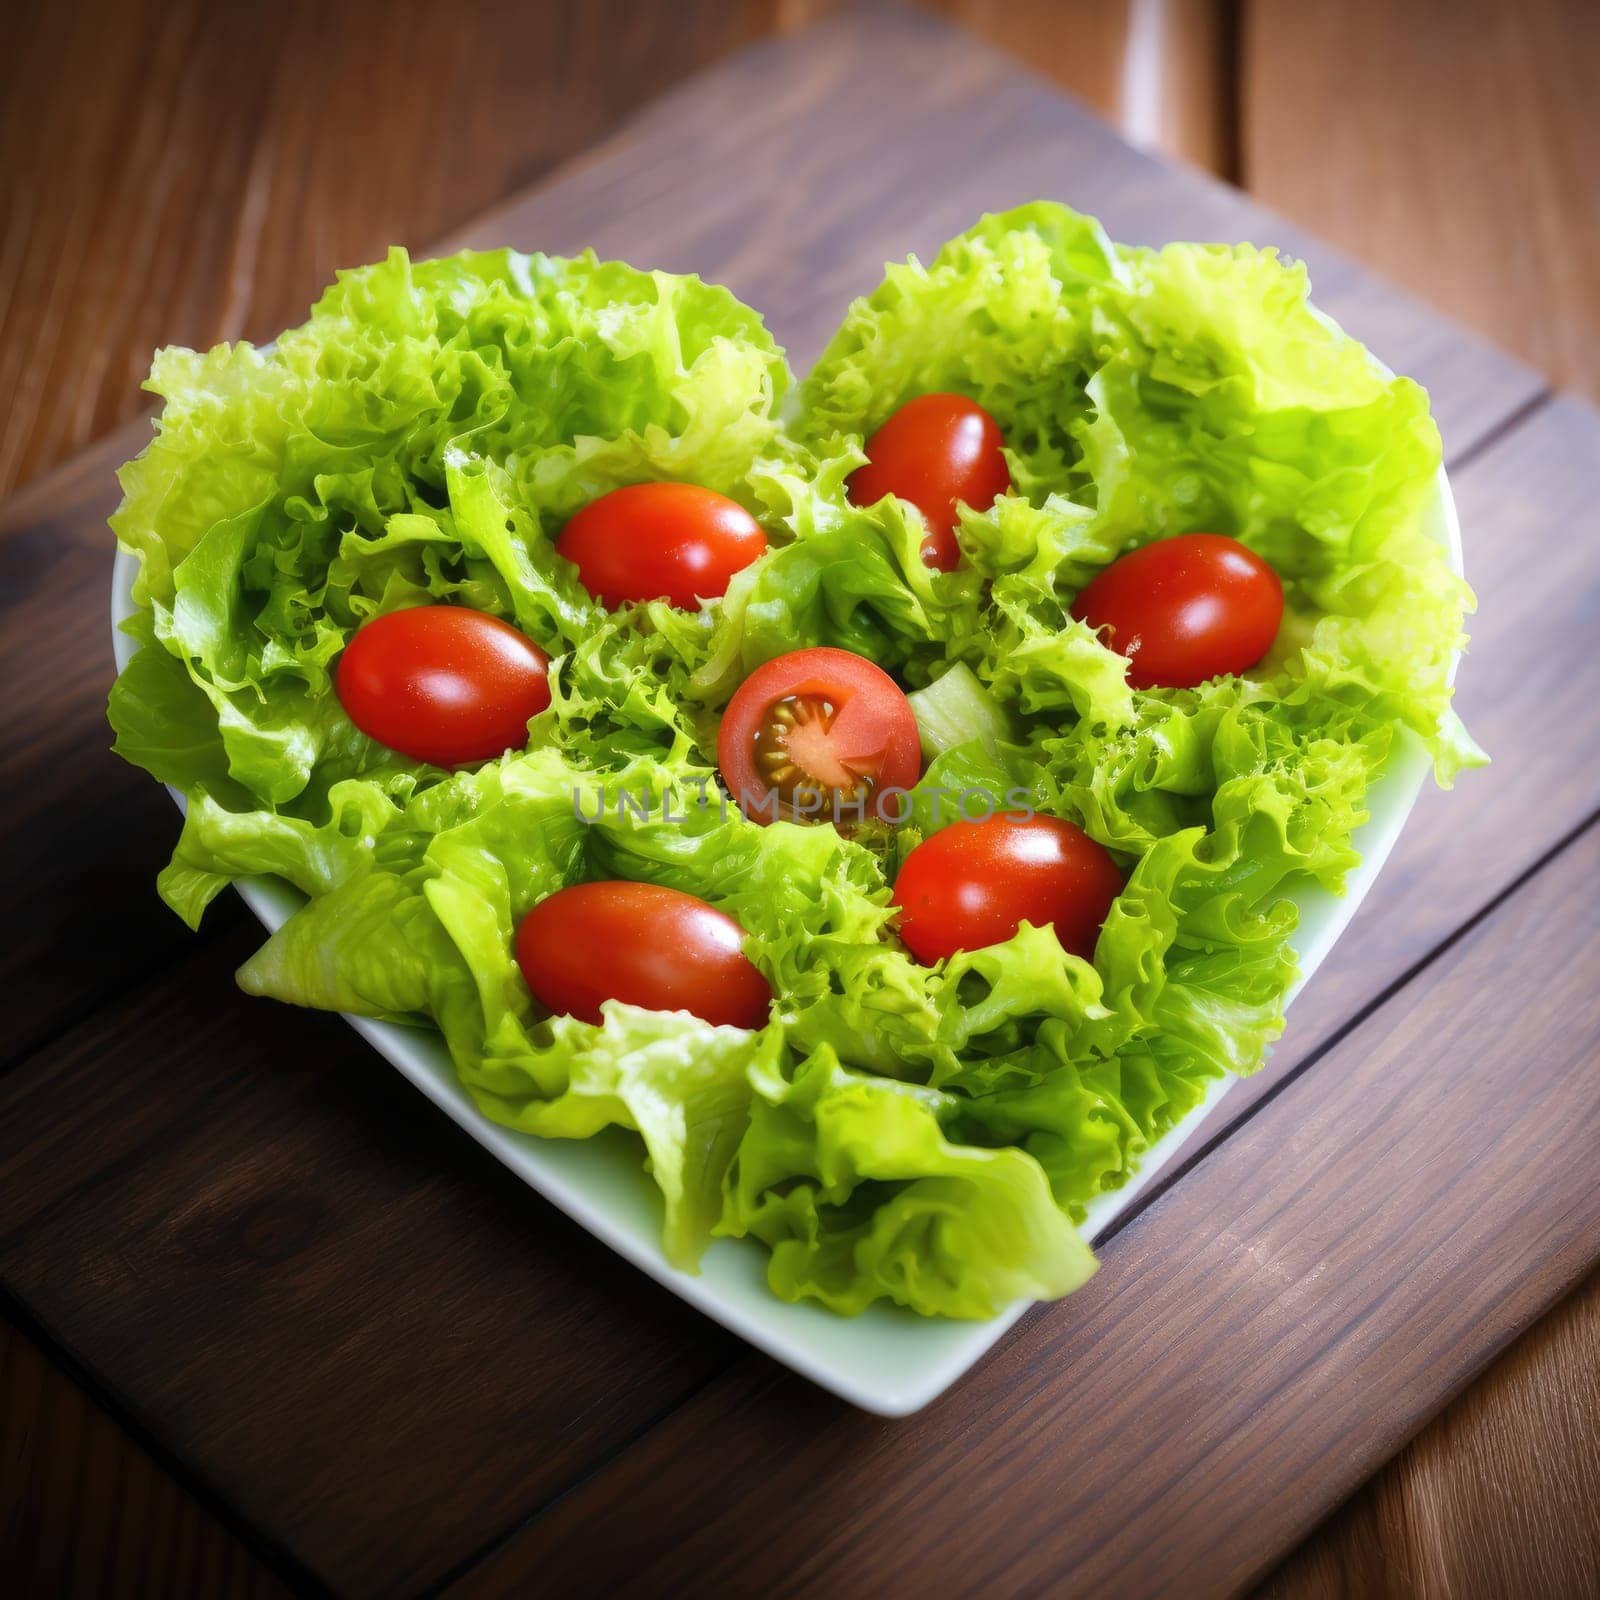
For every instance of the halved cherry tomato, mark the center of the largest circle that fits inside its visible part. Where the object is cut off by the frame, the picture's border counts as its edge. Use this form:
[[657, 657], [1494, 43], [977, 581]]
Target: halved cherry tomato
[[642, 944], [1185, 609], [974, 884], [934, 451], [661, 541], [819, 733], [443, 684]]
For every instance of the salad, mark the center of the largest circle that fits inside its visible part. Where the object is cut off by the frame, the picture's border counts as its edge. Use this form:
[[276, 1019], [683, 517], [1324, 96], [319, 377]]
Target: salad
[[880, 794]]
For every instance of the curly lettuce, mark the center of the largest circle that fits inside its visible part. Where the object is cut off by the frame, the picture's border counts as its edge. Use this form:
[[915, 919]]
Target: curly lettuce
[[929, 1136]]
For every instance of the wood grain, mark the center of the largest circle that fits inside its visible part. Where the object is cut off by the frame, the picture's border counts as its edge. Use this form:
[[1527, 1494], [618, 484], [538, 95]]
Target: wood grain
[[1450, 144], [1453, 147], [631, 194], [257, 164], [1495, 1497], [1080, 47], [1179, 85], [1259, 1340], [93, 830], [65, 1461], [355, 1324]]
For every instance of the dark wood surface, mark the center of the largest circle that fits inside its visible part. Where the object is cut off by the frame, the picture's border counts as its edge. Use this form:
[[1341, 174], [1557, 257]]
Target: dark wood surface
[[66, 1461], [371, 1338], [384, 1354], [1260, 1339]]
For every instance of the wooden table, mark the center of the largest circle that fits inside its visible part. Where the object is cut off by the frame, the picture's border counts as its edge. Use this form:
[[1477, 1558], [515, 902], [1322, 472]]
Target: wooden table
[[390, 1367]]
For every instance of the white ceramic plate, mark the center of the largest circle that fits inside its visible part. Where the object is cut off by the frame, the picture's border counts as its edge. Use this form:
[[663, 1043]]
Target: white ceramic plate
[[887, 1360]]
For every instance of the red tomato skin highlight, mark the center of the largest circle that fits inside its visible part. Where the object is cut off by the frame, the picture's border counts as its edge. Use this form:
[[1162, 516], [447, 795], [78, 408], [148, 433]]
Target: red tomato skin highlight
[[1186, 609], [973, 884], [443, 684], [875, 725], [934, 451], [661, 541], [643, 944]]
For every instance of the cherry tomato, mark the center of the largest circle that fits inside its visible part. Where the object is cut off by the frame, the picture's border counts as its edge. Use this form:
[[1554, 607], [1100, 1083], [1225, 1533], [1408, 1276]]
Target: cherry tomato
[[819, 733], [1185, 609], [661, 541], [643, 944], [934, 451], [443, 684], [973, 884]]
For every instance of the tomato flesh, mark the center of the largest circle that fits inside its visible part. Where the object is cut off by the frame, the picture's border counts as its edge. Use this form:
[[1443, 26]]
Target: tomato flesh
[[443, 684], [645, 945], [1185, 609], [819, 734], [973, 884], [935, 451], [661, 541]]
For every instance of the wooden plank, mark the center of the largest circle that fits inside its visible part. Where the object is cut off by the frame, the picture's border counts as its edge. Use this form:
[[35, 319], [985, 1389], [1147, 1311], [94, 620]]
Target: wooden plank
[[1467, 147], [1496, 1496], [83, 1513], [1159, 71], [1450, 123], [93, 830], [1260, 1340], [1078, 44], [355, 1324], [185, 1317], [688, 186], [1177, 82], [168, 195]]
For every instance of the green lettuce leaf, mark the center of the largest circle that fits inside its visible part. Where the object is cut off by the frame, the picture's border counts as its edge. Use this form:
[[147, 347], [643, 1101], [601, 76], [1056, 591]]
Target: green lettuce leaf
[[852, 1184], [421, 439], [929, 1136]]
